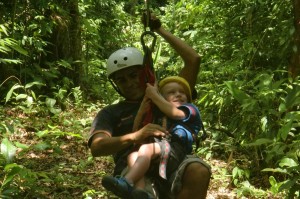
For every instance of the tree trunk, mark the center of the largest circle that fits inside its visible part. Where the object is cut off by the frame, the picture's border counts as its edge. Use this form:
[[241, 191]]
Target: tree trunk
[[75, 42], [66, 40], [294, 67]]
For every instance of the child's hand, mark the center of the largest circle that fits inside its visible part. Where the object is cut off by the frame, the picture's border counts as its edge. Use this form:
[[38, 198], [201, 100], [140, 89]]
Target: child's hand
[[151, 91]]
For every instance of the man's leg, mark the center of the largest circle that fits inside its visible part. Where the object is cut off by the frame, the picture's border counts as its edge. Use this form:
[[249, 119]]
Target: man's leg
[[195, 181]]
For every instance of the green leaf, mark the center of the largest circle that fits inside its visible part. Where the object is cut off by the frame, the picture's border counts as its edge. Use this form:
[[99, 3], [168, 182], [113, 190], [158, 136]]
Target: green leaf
[[55, 110], [19, 49], [293, 97], [50, 102], [272, 181], [42, 133], [33, 95], [29, 101], [264, 122], [276, 170], [8, 150], [64, 63], [288, 162], [3, 29], [274, 184], [21, 96], [10, 61], [33, 83], [284, 131], [234, 172], [10, 92], [287, 184], [282, 108], [236, 92], [12, 169], [21, 146], [42, 146], [260, 141]]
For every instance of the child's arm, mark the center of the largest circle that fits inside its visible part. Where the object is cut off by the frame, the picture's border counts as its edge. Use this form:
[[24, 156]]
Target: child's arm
[[166, 107]]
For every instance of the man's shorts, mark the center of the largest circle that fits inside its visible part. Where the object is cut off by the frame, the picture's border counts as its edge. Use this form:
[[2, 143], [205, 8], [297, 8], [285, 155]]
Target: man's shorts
[[177, 182], [173, 187]]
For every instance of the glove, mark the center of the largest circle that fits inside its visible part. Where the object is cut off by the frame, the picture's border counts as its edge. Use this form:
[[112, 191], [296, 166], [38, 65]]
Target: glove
[[154, 23]]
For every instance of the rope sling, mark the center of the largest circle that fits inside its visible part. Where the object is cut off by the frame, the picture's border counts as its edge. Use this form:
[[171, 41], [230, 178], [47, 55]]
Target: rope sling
[[148, 73]]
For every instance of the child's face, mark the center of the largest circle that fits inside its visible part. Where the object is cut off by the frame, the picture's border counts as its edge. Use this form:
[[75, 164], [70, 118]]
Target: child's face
[[174, 93]]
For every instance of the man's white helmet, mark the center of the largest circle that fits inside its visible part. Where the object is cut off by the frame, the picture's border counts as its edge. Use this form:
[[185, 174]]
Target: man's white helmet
[[124, 58]]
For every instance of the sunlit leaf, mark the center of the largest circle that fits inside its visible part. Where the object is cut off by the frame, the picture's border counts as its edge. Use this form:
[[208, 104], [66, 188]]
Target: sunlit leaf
[[21, 96], [55, 110], [33, 83], [29, 101], [8, 150], [3, 29], [50, 102], [288, 162], [276, 170], [22, 146], [10, 92], [42, 146]]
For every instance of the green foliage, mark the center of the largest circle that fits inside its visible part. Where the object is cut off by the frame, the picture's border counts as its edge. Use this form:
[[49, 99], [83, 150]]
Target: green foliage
[[254, 113], [14, 173], [23, 175], [7, 45]]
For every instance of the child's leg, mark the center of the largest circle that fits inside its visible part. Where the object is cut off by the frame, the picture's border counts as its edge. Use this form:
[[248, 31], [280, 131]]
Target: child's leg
[[131, 158], [146, 153]]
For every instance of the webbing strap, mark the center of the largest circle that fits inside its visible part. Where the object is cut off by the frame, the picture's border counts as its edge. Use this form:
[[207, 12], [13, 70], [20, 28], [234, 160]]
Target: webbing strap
[[165, 153], [148, 73]]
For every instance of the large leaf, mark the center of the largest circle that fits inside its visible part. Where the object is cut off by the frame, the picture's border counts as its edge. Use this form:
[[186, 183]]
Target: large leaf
[[288, 162], [3, 29], [8, 150], [10, 92], [50, 102], [33, 83]]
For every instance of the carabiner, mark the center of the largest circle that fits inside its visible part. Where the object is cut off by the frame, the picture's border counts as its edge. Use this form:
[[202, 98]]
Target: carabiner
[[143, 40]]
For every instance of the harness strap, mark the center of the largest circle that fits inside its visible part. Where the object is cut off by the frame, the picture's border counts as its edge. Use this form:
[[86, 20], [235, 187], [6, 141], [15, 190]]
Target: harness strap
[[164, 159]]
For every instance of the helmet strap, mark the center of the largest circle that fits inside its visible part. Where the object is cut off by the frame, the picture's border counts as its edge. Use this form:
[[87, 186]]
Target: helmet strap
[[115, 87]]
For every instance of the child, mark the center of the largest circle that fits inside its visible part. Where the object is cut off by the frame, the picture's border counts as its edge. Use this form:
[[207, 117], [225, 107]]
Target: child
[[183, 120]]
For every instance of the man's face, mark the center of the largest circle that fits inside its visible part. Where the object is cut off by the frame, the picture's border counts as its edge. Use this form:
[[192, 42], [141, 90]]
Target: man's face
[[128, 81]]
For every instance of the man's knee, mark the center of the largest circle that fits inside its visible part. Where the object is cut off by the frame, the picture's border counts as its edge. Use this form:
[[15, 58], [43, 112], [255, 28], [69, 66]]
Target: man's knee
[[196, 172], [195, 181]]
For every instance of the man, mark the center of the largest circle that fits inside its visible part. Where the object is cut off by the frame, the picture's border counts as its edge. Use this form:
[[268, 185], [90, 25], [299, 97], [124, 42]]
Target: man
[[111, 132]]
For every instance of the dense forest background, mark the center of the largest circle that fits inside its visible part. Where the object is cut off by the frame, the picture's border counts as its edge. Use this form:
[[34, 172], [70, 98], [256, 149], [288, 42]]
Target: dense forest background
[[53, 81]]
